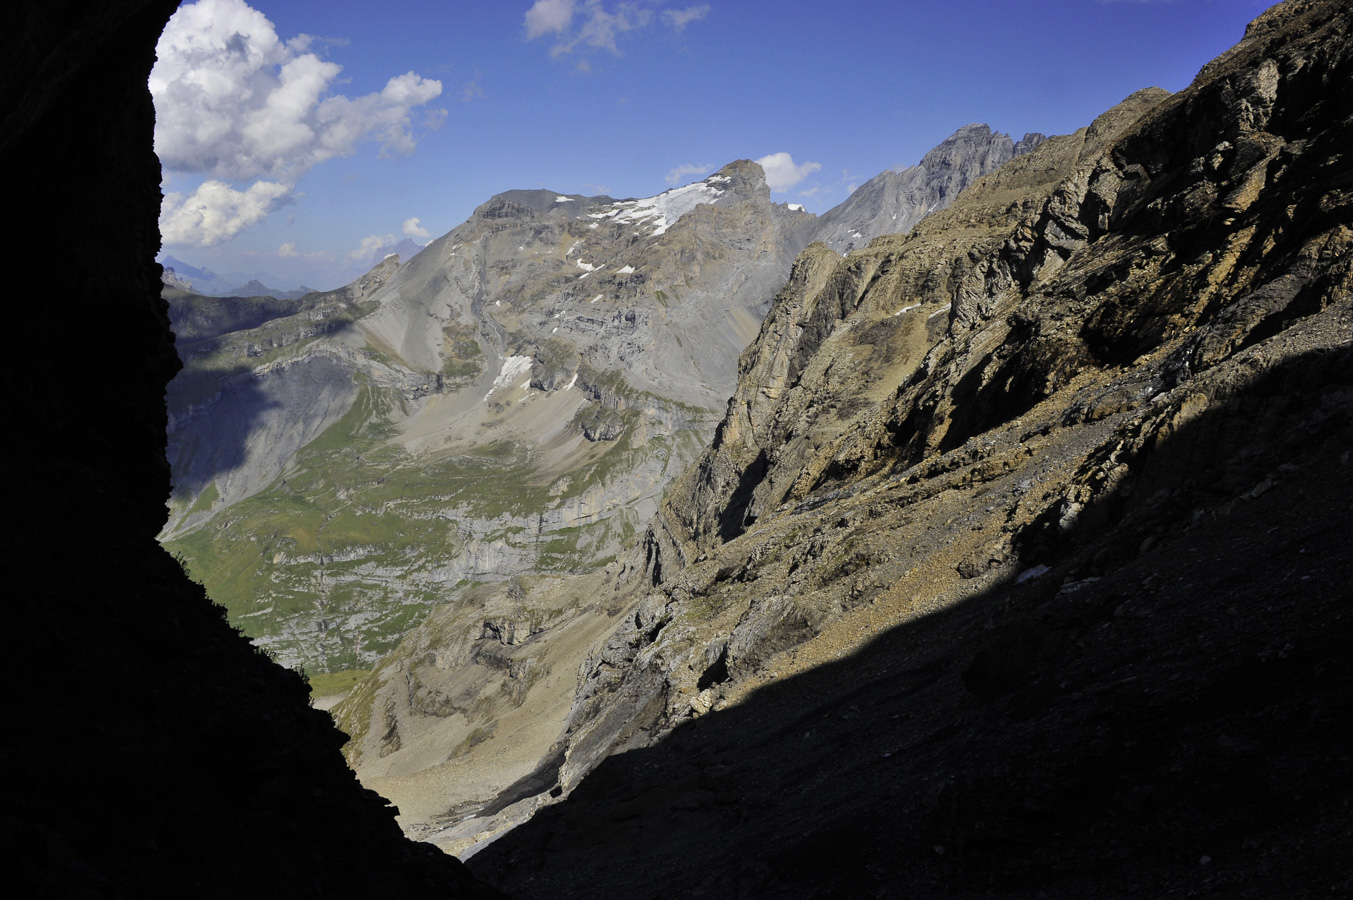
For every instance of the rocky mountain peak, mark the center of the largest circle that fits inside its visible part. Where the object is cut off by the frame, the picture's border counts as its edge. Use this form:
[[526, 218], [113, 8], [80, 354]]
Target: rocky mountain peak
[[741, 178], [895, 200]]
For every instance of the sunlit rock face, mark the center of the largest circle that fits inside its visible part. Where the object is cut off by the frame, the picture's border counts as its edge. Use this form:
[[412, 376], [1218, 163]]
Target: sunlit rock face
[[894, 201], [512, 400]]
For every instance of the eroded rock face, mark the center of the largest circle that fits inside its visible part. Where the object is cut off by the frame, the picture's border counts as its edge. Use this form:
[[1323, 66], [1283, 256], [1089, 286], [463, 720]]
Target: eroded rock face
[[580, 300], [809, 376], [1004, 523], [511, 401]]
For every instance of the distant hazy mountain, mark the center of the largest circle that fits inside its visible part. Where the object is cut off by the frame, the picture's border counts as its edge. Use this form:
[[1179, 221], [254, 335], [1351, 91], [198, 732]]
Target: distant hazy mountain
[[407, 249], [894, 201], [234, 284]]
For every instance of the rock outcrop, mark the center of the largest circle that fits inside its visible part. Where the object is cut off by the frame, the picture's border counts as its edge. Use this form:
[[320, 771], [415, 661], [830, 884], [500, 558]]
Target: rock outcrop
[[1019, 561]]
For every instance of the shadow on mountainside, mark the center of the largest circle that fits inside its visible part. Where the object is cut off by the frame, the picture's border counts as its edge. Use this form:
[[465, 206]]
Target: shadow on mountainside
[[1161, 712], [212, 414], [251, 392]]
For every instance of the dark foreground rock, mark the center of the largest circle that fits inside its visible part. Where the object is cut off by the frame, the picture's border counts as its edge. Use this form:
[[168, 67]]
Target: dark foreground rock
[[150, 750]]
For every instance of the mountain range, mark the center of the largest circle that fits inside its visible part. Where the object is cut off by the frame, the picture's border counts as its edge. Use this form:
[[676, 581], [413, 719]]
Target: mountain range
[[512, 401], [1016, 565]]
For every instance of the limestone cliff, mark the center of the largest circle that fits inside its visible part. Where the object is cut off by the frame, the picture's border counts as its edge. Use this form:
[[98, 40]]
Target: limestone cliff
[[1019, 560], [512, 400]]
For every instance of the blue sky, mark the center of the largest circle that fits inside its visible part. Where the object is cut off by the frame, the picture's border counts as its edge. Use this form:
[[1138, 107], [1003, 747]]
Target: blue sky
[[295, 133]]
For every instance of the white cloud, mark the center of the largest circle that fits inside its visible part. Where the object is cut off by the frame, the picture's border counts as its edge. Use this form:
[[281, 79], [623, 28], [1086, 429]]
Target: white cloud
[[216, 212], [414, 228], [370, 245], [287, 250], [682, 172], [598, 27], [781, 172], [546, 16], [677, 19], [234, 101]]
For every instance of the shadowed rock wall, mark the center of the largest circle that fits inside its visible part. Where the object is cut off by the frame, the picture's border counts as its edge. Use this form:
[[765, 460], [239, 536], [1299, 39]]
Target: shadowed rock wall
[[150, 749]]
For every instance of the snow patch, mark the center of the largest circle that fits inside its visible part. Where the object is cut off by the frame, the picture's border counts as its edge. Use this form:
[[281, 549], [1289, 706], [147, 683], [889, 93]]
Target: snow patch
[[588, 267], [513, 368], [1035, 572], [626, 270], [796, 207], [562, 199], [572, 381], [661, 212], [595, 299], [905, 309]]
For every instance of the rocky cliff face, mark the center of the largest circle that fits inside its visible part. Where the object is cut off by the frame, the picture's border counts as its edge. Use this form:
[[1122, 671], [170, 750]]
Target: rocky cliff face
[[512, 400], [1019, 557]]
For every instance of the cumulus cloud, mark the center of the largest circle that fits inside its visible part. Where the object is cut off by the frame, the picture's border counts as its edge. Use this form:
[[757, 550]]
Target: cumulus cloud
[[216, 212], [234, 101], [590, 25], [287, 250], [782, 173], [682, 172], [413, 228]]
